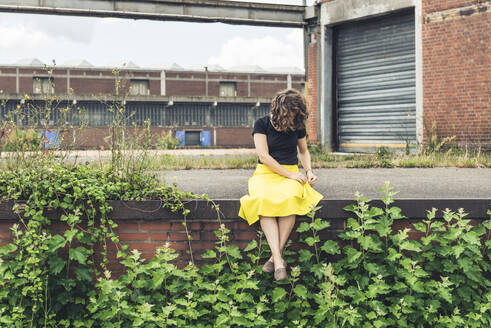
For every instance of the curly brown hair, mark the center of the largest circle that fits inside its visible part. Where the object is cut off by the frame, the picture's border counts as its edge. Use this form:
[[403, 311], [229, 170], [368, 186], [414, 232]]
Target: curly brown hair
[[283, 104]]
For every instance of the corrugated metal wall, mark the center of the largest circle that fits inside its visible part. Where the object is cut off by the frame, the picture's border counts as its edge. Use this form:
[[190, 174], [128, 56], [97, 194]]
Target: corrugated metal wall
[[376, 83], [262, 110], [139, 112], [187, 114], [233, 114], [95, 113]]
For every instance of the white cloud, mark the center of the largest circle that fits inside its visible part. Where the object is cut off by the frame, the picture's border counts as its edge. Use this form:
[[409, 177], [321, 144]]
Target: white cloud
[[73, 29], [266, 52], [20, 37]]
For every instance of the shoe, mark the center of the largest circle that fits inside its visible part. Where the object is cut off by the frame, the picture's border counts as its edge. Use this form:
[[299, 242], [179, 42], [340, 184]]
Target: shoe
[[280, 274], [268, 267]]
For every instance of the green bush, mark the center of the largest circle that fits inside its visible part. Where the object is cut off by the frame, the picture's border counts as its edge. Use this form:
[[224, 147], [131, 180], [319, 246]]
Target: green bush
[[376, 277], [23, 140], [168, 141]]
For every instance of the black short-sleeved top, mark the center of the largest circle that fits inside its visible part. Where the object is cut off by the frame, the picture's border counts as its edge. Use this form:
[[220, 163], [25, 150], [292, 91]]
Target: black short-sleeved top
[[282, 146]]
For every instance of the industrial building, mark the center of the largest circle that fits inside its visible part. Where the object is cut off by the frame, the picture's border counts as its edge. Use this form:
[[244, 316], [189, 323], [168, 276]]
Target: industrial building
[[383, 73], [208, 107], [378, 72]]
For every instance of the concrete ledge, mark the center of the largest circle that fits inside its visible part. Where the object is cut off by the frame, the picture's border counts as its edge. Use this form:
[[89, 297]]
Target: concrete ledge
[[331, 209], [339, 11], [230, 12], [152, 98]]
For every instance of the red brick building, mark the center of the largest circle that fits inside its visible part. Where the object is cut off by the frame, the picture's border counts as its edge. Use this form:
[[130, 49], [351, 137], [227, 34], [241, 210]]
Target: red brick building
[[381, 73], [212, 104]]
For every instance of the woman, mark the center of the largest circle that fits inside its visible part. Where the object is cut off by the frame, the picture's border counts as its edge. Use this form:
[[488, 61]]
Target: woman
[[277, 190]]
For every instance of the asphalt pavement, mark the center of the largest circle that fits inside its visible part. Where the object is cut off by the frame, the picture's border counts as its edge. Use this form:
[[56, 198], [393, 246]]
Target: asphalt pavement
[[343, 183], [333, 183]]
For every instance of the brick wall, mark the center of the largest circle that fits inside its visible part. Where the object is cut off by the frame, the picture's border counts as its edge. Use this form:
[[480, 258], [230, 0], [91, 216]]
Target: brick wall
[[7, 84], [234, 136], [148, 230], [185, 88], [87, 85], [440, 5], [457, 70], [182, 83], [267, 89], [312, 93], [93, 137]]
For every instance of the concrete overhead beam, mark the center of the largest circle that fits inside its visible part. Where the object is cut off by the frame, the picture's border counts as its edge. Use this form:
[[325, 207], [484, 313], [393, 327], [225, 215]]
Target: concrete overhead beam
[[340, 11], [230, 12]]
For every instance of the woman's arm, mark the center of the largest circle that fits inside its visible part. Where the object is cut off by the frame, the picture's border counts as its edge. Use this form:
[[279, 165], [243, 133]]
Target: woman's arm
[[262, 151], [304, 155]]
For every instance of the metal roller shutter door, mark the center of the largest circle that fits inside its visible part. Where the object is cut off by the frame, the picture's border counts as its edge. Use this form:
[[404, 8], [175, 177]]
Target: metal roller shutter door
[[376, 84]]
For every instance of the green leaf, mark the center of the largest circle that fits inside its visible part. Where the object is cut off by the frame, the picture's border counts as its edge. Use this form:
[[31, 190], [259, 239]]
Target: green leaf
[[353, 224], [157, 279], [304, 255], [349, 208], [382, 229], [301, 291], [251, 245], [304, 226], [368, 243], [56, 242], [83, 274], [411, 245], [278, 293], [352, 254], [331, 247], [393, 255], [209, 254], [311, 240], [234, 252], [458, 249], [78, 254], [69, 234], [472, 238], [7, 249], [319, 224], [375, 211], [420, 226], [396, 213], [371, 267], [56, 264]]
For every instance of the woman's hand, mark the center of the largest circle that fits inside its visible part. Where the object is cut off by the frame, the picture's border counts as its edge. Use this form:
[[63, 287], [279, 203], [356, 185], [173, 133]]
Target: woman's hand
[[311, 178], [299, 177]]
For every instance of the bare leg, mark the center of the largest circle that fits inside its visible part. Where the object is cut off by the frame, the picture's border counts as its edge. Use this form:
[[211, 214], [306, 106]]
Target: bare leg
[[271, 231], [285, 226]]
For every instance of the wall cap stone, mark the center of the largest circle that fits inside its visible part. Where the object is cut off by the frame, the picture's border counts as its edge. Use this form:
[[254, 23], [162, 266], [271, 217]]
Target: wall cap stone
[[152, 210]]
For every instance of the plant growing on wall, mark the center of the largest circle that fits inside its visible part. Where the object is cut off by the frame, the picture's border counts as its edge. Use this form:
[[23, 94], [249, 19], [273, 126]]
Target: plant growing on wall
[[375, 277]]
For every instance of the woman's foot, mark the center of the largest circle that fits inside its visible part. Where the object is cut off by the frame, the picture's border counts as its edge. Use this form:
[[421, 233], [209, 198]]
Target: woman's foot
[[280, 270], [268, 267]]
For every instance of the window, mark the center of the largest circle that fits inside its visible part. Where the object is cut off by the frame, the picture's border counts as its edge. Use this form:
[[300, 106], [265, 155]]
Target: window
[[139, 88], [228, 89], [43, 85], [192, 138]]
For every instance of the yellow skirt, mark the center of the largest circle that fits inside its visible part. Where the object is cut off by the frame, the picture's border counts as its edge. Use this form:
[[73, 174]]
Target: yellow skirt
[[271, 194]]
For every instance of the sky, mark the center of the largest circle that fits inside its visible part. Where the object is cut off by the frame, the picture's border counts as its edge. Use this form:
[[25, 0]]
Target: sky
[[111, 41]]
